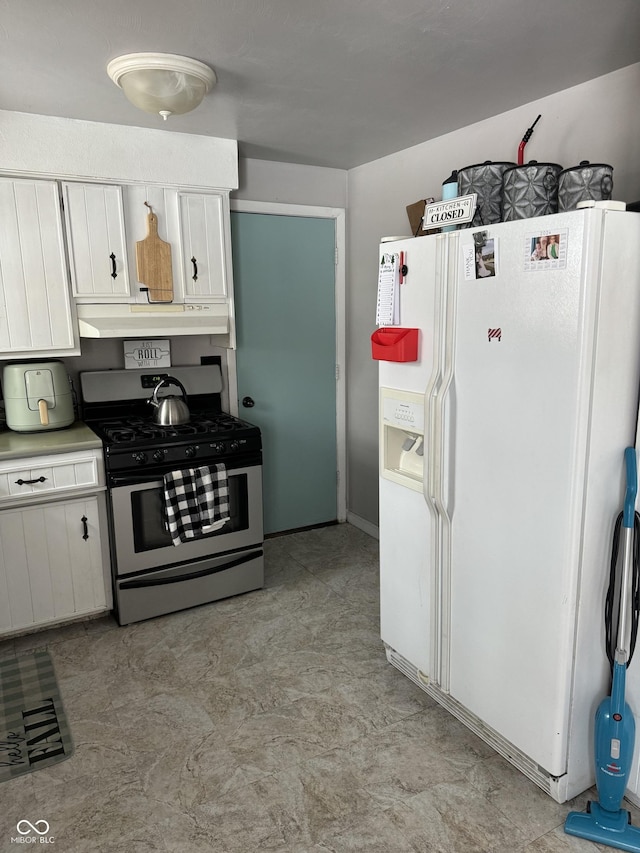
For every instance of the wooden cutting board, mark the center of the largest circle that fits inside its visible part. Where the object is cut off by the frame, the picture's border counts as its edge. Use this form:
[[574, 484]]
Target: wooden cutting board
[[153, 262]]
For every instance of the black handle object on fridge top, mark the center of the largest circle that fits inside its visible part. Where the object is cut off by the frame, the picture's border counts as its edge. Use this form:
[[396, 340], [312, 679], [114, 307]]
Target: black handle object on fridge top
[[195, 269], [527, 136], [22, 482], [248, 402], [114, 274], [85, 535]]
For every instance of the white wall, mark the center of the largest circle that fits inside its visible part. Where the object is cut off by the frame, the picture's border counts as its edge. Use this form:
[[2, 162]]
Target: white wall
[[69, 148], [289, 183], [597, 121]]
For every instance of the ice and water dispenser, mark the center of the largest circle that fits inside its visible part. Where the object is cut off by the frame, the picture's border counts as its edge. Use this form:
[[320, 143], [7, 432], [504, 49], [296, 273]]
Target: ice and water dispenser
[[402, 437]]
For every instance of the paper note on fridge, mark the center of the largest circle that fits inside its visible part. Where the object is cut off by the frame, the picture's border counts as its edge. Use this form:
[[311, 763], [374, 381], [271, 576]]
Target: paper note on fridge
[[388, 305]]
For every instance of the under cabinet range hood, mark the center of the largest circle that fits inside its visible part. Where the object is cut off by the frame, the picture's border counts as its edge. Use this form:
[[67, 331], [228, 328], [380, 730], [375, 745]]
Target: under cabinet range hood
[[139, 320]]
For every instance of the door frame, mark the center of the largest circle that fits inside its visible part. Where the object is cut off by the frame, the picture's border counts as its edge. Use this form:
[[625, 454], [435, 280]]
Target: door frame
[[338, 214]]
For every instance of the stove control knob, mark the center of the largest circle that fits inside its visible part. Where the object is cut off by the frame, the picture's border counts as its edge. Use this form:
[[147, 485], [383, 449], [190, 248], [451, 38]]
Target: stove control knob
[[190, 451], [140, 458], [219, 447], [158, 456], [234, 446]]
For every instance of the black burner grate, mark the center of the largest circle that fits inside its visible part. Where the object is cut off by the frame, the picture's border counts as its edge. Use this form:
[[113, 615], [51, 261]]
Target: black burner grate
[[135, 430]]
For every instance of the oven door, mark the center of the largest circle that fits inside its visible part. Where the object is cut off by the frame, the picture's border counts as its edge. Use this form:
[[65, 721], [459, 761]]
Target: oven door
[[140, 541]]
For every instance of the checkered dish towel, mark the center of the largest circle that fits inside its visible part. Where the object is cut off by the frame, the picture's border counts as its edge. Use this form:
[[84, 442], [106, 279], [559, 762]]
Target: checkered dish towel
[[196, 501]]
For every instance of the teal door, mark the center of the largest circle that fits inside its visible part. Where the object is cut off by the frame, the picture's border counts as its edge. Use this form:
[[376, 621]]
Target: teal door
[[284, 282]]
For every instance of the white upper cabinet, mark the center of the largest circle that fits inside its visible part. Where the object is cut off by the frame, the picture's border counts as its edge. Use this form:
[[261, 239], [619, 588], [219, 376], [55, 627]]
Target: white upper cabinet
[[195, 225], [203, 246], [139, 201], [72, 255], [97, 245], [183, 256], [36, 312]]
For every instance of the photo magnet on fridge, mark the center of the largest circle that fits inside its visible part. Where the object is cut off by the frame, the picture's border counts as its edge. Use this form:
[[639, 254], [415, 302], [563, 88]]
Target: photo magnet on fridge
[[545, 250], [480, 262]]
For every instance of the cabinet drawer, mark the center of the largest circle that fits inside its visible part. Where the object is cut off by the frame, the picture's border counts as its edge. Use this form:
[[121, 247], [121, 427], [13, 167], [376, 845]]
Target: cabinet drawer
[[45, 475]]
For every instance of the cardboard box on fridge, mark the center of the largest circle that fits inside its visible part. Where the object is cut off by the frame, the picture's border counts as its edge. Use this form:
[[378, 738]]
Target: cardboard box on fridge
[[415, 212]]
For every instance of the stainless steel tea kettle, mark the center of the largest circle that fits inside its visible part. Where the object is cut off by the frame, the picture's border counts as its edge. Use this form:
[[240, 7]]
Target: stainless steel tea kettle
[[170, 410]]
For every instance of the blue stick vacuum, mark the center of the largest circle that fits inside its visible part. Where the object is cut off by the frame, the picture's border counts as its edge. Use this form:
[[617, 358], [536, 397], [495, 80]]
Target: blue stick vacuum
[[605, 821]]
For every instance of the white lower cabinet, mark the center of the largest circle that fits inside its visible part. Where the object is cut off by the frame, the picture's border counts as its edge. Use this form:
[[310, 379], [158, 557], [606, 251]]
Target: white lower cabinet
[[53, 563]]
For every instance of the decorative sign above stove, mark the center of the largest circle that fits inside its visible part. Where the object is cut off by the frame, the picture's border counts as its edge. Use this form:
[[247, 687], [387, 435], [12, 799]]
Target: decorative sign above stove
[[154, 353]]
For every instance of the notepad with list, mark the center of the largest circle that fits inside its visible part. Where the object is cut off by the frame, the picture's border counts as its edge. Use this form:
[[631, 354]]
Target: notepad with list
[[388, 305]]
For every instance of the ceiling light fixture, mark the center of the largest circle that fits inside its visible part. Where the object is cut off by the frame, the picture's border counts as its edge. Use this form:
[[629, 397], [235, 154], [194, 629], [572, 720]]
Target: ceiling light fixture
[[162, 82]]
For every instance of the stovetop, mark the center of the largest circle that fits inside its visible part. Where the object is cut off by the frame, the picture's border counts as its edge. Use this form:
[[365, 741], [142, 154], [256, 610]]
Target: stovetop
[[135, 442], [137, 431], [116, 407]]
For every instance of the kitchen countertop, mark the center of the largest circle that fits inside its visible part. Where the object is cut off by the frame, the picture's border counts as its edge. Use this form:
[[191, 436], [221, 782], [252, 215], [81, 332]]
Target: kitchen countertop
[[76, 437]]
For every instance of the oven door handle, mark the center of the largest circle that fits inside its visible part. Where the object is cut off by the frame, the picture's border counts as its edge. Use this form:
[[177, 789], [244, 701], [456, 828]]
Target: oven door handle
[[155, 477], [134, 479], [141, 583]]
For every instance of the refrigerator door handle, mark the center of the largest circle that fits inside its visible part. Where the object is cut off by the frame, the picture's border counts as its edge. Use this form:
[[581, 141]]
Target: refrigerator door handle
[[432, 480], [429, 480], [443, 441], [430, 484], [437, 394], [441, 423]]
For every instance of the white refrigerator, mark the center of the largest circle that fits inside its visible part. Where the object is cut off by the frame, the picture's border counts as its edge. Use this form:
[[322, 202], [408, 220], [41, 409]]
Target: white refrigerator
[[501, 475]]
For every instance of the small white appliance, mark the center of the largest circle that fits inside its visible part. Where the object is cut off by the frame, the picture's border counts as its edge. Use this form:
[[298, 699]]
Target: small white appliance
[[37, 396]]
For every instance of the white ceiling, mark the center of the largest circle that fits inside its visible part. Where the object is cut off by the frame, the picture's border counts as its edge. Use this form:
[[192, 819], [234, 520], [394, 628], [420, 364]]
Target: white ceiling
[[320, 82]]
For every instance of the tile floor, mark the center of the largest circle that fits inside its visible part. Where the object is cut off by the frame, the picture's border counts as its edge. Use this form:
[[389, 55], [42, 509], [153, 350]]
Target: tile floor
[[269, 722]]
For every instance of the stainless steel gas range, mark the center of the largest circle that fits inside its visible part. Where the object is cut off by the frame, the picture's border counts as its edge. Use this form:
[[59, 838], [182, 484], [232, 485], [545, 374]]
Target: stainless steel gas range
[[151, 574]]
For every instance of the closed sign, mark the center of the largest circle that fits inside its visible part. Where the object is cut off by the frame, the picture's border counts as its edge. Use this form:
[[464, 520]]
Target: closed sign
[[453, 212]]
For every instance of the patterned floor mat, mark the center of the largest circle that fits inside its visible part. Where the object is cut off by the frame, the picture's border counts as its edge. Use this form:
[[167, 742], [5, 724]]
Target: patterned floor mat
[[34, 732]]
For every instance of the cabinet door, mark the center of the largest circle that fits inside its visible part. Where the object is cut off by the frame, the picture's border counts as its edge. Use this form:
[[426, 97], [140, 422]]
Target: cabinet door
[[36, 314], [97, 247], [51, 563], [139, 201], [203, 246]]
